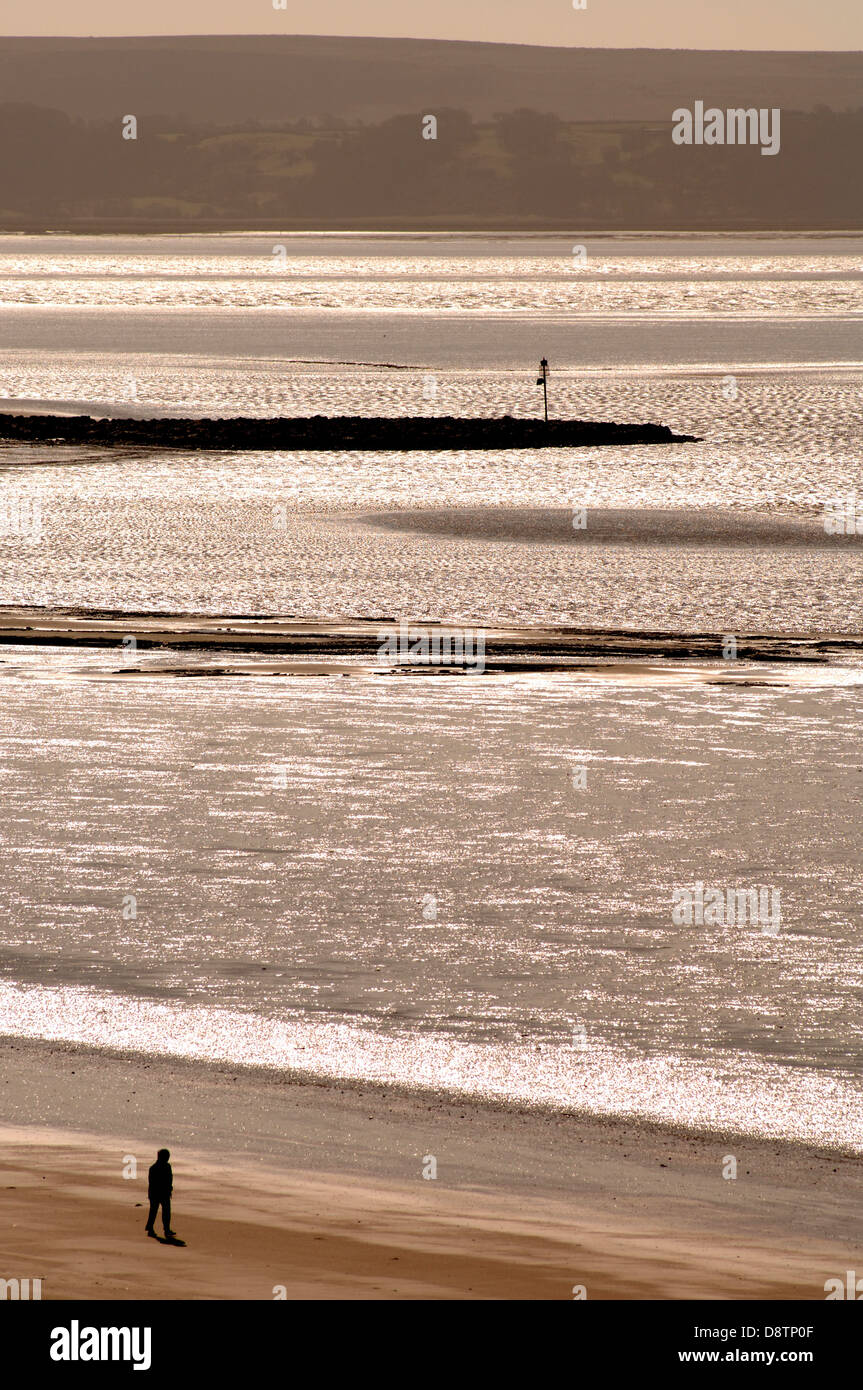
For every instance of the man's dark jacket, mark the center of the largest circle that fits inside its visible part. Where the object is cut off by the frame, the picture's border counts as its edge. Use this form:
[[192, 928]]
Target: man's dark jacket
[[161, 1181]]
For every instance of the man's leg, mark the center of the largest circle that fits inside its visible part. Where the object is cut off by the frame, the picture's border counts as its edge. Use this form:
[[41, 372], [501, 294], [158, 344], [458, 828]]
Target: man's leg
[[154, 1207], [166, 1216]]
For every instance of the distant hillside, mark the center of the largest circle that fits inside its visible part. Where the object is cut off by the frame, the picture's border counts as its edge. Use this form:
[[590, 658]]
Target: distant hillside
[[520, 169], [229, 80]]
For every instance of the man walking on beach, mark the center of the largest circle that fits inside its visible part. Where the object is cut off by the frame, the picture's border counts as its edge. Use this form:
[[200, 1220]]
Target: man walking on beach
[[159, 1189]]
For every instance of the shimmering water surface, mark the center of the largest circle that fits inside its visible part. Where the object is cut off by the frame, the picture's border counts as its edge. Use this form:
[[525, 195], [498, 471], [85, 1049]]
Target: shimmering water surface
[[361, 876]]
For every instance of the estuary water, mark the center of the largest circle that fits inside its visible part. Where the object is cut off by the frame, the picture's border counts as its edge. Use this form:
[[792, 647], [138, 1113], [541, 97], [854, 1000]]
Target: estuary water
[[465, 885]]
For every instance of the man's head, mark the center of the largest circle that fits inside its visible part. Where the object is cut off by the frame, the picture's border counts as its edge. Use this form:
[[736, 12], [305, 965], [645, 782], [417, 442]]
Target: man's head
[[163, 1155]]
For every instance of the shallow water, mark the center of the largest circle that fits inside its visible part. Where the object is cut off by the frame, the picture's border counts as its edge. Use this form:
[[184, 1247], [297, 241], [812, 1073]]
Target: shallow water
[[321, 874], [290, 533], [357, 876]]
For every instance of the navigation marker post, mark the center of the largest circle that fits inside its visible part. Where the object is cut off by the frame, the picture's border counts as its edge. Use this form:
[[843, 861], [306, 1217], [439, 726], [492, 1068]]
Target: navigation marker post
[[543, 382]]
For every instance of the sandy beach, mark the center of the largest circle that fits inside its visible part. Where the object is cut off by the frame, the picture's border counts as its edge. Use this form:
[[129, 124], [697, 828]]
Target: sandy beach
[[318, 1190]]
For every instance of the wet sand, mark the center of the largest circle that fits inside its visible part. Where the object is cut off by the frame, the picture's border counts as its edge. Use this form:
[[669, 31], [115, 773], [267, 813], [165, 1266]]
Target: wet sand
[[638, 673], [335, 638], [659, 526], [251, 1232], [320, 1189]]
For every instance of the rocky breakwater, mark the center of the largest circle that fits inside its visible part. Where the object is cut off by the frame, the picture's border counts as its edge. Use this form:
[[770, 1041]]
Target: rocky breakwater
[[322, 432]]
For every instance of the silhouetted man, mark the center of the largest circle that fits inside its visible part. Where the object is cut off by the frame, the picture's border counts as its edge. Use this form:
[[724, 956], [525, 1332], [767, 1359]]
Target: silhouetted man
[[159, 1189]]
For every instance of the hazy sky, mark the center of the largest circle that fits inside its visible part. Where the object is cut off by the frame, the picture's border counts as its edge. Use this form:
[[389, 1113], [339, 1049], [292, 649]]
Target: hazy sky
[[824, 24]]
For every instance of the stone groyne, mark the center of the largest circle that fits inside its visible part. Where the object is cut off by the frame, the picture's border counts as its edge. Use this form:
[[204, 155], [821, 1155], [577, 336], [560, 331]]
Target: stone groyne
[[322, 432]]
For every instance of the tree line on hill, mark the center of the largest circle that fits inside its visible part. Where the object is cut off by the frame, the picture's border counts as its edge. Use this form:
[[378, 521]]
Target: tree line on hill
[[522, 168]]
